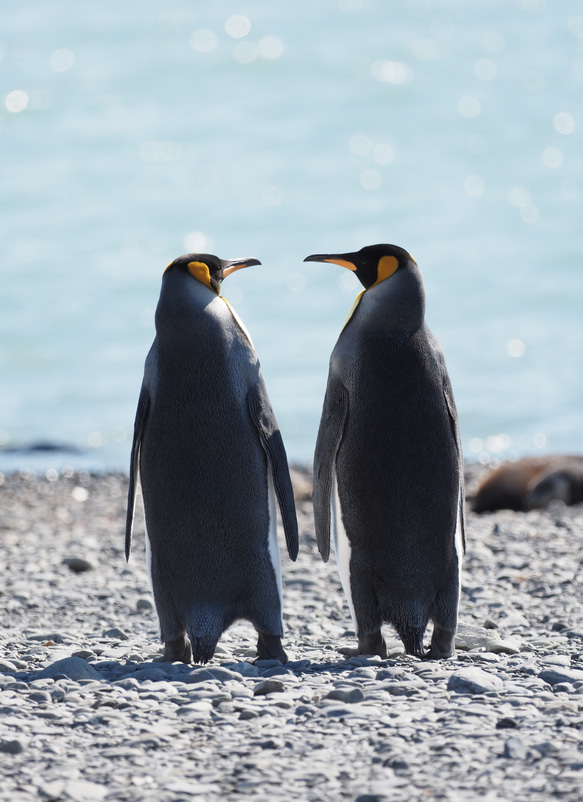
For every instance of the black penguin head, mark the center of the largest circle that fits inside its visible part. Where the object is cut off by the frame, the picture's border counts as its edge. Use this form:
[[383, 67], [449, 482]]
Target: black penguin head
[[372, 264], [209, 269]]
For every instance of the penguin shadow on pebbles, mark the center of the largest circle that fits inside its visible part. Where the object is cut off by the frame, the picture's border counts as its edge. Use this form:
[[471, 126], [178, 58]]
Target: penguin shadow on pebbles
[[209, 457], [388, 471]]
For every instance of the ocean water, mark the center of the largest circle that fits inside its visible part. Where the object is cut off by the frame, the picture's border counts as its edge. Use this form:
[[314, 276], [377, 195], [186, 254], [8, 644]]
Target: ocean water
[[132, 132]]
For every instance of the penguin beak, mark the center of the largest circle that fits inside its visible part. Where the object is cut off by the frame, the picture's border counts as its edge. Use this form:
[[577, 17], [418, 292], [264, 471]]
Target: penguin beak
[[333, 259], [231, 265]]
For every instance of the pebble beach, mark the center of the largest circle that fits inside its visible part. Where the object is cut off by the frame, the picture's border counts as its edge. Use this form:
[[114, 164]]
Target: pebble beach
[[87, 712]]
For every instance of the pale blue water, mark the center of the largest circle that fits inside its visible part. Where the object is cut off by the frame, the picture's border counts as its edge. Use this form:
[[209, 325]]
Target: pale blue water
[[134, 131]]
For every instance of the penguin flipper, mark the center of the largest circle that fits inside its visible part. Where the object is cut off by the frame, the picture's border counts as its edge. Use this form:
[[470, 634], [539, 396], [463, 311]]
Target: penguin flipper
[[139, 425], [329, 436], [264, 420], [452, 411]]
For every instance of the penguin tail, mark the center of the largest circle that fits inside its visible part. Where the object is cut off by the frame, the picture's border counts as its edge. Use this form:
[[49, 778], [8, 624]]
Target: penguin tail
[[204, 628], [413, 641]]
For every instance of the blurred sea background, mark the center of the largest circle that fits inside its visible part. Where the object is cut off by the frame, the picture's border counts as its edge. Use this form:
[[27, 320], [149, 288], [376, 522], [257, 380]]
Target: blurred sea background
[[132, 132]]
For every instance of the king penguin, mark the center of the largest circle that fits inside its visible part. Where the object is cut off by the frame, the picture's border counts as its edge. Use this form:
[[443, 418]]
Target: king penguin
[[388, 470], [209, 457]]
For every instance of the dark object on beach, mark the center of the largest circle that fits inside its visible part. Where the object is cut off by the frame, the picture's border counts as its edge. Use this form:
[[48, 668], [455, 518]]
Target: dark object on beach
[[43, 447], [77, 565], [530, 483], [211, 462], [388, 460]]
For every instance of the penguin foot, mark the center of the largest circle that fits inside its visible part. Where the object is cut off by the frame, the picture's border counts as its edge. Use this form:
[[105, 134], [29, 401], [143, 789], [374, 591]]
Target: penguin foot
[[372, 643], [269, 648], [442, 644], [178, 650]]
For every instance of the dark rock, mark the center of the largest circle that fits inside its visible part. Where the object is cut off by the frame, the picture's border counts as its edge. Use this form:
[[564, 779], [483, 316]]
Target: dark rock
[[77, 565], [11, 747]]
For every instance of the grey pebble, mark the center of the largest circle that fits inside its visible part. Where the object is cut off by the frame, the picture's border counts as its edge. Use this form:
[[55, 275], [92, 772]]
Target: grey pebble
[[73, 667], [346, 695], [209, 673], [78, 565], [268, 686], [554, 676], [15, 747], [115, 634], [514, 748], [474, 680]]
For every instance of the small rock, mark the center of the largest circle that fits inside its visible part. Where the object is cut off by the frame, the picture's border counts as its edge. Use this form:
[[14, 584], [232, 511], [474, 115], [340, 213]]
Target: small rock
[[474, 680], [372, 798], [514, 748], [52, 790], [83, 791], [6, 667], [506, 724], [348, 695], [73, 667], [85, 654], [47, 637], [556, 675], [564, 687], [268, 686], [11, 747], [209, 673], [77, 565], [503, 645], [247, 714], [116, 634], [246, 669], [144, 605], [40, 697], [262, 665]]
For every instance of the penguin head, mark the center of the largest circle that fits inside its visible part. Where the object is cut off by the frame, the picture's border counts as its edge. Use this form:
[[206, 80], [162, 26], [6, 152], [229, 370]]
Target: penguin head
[[372, 264], [209, 269]]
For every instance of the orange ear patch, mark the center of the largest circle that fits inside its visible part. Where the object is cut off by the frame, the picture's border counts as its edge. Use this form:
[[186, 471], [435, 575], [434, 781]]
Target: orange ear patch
[[386, 267], [200, 271]]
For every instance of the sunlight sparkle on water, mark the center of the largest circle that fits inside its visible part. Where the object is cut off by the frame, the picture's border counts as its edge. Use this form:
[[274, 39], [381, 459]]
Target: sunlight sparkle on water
[[371, 179], [237, 26], [203, 40], [383, 153], [245, 52], [563, 123], [570, 188], [516, 348], [16, 101], [62, 59], [493, 42], [469, 106], [391, 72], [519, 196], [474, 185], [197, 242], [552, 158], [485, 69], [360, 144], [477, 145], [270, 47]]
